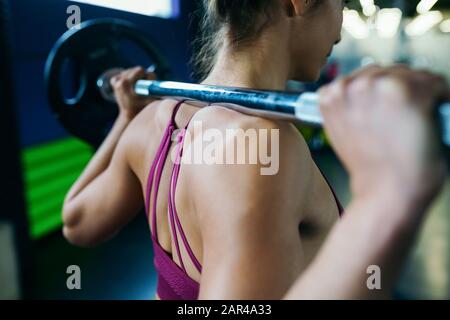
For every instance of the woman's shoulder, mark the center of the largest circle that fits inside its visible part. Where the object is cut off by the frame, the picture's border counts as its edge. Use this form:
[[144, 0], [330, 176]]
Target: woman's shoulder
[[158, 114], [288, 138], [144, 133], [220, 115], [247, 160], [149, 125]]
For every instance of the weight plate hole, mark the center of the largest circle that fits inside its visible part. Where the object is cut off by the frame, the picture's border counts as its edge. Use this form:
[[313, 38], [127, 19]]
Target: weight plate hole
[[72, 79]]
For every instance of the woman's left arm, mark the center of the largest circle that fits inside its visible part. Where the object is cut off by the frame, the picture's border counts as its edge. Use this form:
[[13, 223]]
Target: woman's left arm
[[107, 195]]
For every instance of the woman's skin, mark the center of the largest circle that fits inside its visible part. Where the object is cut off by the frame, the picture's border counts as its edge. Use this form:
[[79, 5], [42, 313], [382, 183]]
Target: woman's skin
[[245, 228]]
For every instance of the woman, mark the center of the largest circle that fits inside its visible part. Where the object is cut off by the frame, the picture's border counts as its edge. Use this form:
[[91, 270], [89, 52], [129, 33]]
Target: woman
[[221, 231]]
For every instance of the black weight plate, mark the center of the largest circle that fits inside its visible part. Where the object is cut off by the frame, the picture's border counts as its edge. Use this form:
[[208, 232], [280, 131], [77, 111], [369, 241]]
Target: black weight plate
[[94, 49]]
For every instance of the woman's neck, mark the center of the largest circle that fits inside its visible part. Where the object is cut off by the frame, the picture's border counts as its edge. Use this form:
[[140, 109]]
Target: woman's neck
[[264, 64]]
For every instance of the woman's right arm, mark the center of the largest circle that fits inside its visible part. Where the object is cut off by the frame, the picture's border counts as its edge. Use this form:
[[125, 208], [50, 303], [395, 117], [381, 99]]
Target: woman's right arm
[[380, 122]]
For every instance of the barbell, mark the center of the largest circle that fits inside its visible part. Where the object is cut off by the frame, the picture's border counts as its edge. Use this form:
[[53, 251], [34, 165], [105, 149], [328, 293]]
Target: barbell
[[95, 50]]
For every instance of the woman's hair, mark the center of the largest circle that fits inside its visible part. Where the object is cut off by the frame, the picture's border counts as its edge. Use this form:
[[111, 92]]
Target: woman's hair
[[237, 21]]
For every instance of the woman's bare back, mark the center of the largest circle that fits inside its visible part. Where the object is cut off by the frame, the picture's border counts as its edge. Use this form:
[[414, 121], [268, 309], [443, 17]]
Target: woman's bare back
[[318, 209]]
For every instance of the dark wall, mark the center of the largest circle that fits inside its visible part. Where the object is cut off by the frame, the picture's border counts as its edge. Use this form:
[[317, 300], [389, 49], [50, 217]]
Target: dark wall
[[36, 25], [11, 190]]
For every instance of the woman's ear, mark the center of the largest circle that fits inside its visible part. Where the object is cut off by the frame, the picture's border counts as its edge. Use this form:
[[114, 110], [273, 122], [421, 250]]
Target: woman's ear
[[299, 7]]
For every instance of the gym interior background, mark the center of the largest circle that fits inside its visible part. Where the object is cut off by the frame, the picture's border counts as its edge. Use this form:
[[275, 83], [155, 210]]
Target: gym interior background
[[42, 160]]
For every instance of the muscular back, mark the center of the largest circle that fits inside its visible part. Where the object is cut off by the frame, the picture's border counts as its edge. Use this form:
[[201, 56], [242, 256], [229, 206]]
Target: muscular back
[[248, 230], [240, 224]]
